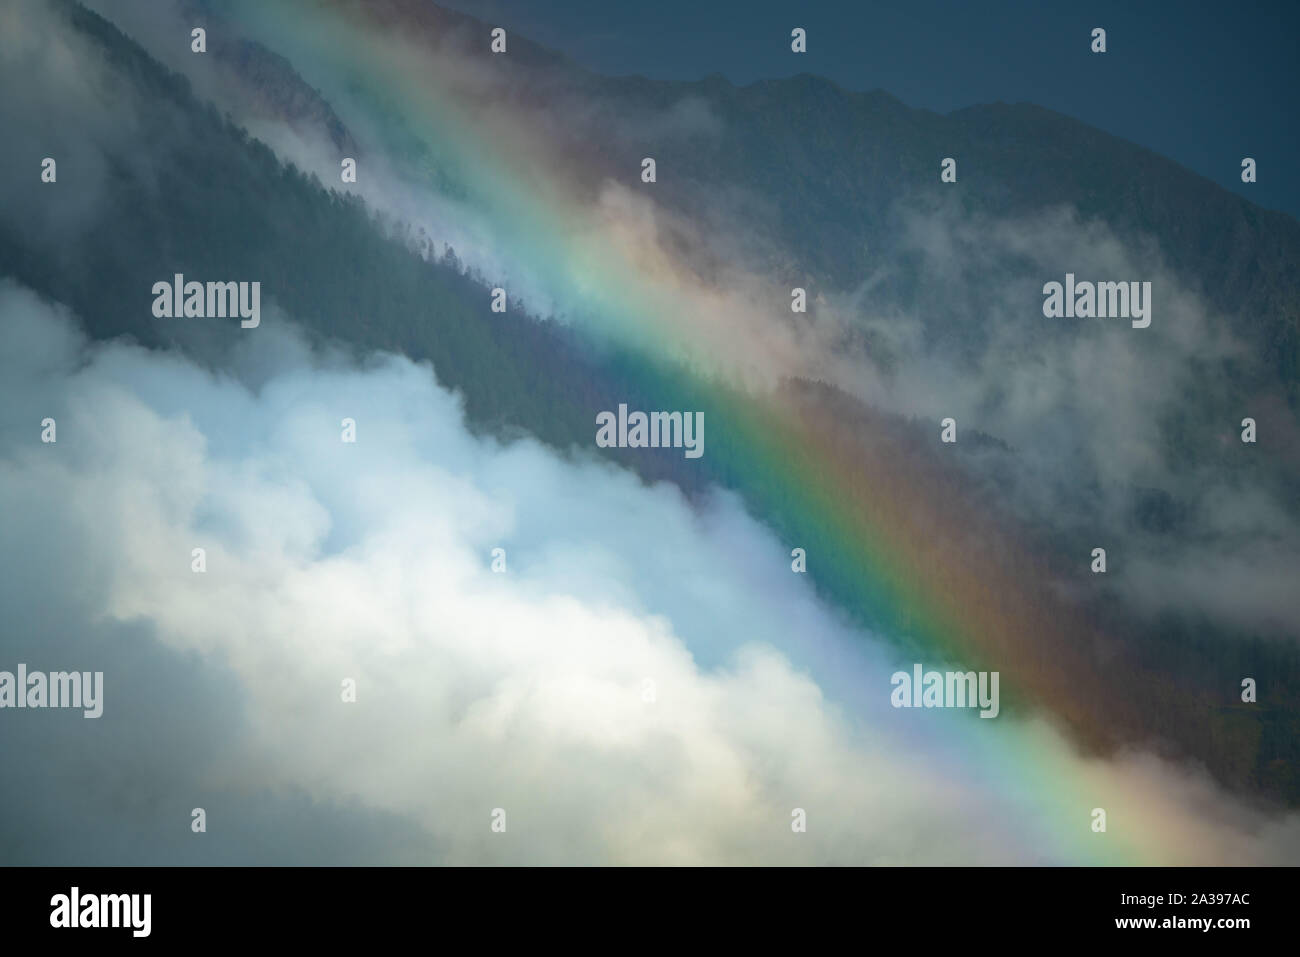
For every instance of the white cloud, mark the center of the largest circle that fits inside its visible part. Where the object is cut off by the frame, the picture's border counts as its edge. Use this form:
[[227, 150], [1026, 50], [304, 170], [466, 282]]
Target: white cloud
[[478, 690]]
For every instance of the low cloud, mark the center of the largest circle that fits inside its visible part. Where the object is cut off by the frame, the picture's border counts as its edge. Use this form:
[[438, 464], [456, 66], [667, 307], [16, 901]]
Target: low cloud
[[524, 690]]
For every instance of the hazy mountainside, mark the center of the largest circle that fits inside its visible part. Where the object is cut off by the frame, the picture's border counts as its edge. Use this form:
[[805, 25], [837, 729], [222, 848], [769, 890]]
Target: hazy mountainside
[[186, 191], [829, 186], [830, 169], [836, 161], [823, 175], [209, 202]]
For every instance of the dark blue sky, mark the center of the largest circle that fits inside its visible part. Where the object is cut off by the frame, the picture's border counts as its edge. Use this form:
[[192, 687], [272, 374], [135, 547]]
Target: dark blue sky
[[1202, 83]]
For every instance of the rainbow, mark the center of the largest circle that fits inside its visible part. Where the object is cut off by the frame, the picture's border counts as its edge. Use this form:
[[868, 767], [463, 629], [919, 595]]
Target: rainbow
[[893, 537]]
